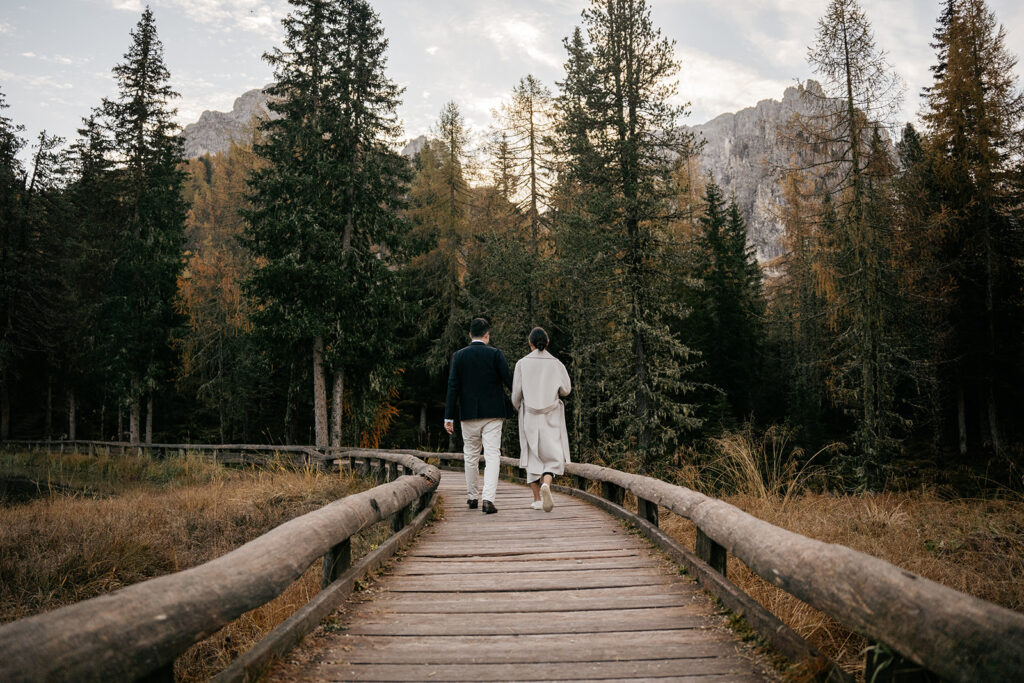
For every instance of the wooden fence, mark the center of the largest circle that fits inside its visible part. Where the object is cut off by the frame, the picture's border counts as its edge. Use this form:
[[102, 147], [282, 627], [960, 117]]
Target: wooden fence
[[926, 629]]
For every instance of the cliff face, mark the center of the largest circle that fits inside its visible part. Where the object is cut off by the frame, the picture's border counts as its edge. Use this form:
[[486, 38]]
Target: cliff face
[[742, 150], [215, 130]]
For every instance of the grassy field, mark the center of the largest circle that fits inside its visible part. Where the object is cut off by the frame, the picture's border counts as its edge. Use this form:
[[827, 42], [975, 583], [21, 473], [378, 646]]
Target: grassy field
[[975, 545], [141, 518]]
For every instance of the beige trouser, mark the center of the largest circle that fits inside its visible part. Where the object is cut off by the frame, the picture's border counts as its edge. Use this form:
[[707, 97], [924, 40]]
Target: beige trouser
[[484, 433]]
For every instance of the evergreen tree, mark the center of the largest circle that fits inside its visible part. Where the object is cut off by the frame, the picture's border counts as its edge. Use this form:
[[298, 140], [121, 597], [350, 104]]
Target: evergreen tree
[[325, 223], [89, 251], [12, 181], [975, 120], [619, 134], [139, 314], [730, 305]]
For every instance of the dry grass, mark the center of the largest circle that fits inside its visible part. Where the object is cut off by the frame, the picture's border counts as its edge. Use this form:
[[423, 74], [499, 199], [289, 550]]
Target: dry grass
[[156, 517], [973, 545]]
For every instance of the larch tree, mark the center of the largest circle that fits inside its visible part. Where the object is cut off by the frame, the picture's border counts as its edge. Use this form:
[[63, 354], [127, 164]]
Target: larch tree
[[325, 223], [619, 135], [859, 93], [975, 136], [139, 317]]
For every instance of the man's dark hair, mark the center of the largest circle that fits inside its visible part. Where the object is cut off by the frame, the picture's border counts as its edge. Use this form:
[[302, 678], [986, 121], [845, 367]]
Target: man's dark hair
[[478, 328]]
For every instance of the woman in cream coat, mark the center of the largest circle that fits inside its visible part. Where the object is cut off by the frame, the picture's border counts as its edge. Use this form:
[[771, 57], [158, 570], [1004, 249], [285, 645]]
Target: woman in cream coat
[[539, 381]]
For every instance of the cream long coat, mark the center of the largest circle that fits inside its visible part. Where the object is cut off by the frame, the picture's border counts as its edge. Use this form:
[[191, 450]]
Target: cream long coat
[[539, 381]]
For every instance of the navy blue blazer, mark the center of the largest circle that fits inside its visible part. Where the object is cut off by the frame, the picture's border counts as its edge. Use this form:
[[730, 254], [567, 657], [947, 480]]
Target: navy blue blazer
[[475, 383]]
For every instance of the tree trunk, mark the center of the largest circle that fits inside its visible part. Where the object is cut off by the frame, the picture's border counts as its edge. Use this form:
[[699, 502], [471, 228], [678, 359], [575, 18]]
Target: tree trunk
[[319, 393], [72, 418], [423, 420], [120, 424], [133, 412], [149, 417], [5, 408], [337, 407], [961, 419], [49, 408]]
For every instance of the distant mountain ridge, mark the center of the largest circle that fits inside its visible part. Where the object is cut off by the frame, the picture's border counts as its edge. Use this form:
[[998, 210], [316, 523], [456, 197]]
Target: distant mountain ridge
[[741, 149]]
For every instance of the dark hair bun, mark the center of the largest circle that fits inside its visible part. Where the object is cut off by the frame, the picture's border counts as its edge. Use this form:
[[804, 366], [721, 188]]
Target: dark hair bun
[[539, 338]]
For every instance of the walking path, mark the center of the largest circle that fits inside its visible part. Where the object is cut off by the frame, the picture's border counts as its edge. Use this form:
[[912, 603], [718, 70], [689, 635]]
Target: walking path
[[525, 595]]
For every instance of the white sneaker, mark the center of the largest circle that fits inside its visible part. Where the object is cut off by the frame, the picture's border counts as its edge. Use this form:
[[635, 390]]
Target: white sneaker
[[536, 505], [545, 496]]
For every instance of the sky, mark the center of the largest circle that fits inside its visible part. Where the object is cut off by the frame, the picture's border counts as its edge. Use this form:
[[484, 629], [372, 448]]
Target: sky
[[56, 55]]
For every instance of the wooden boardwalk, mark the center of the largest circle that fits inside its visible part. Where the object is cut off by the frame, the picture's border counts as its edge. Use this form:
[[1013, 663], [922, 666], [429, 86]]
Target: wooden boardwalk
[[525, 595]]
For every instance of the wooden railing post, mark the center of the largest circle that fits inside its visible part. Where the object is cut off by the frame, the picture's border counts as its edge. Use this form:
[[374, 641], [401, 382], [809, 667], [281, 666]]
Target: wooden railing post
[[612, 492], [580, 482], [712, 553], [378, 470], [400, 519], [336, 561], [392, 471], [645, 509]]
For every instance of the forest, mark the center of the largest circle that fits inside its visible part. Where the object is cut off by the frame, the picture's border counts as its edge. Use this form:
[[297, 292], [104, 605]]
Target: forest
[[310, 284]]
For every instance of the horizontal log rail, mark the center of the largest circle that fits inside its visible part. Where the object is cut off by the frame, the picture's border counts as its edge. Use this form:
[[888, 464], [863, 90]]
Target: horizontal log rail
[[138, 631], [955, 636]]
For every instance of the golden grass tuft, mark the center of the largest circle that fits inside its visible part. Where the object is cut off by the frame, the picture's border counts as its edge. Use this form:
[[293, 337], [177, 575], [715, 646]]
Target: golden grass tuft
[[156, 517]]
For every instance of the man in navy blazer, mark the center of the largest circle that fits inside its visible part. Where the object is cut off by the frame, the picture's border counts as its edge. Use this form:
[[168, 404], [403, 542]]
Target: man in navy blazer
[[475, 383]]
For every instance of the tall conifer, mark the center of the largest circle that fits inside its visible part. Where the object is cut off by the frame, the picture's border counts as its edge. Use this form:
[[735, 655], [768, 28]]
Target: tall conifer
[[324, 221], [139, 313], [620, 137]]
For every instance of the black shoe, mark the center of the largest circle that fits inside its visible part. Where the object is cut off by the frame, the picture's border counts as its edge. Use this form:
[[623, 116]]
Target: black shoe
[[489, 508], [471, 503]]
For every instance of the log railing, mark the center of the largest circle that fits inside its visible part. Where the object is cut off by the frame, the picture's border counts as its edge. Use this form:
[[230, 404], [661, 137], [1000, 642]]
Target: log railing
[[925, 630], [138, 631]]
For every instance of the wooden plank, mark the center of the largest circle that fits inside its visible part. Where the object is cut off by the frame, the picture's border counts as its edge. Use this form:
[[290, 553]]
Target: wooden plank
[[650, 619], [556, 601], [526, 546], [696, 668], [682, 587], [529, 582], [537, 557], [621, 646], [413, 567]]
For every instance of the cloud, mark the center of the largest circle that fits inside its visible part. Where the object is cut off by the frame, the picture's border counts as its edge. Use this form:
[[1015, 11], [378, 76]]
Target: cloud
[[715, 85], [432, 50], [43, 82], [127, 5], [28, 54], [260, 17], [517, 36], [6, 29]]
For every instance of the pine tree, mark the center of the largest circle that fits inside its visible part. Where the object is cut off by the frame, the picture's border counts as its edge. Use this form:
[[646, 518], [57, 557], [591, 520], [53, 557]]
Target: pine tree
[[325, 222], [620, 140], [975, 120], [729, 306], [139, 314], [12, 182]]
